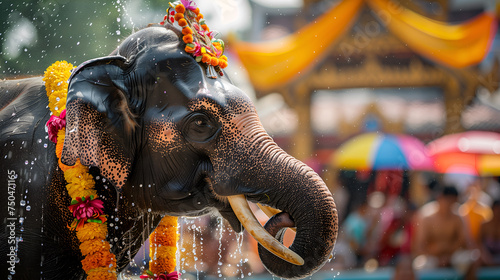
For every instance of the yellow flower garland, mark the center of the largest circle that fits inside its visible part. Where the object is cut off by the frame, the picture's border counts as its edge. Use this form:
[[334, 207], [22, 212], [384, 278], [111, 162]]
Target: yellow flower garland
[[99, 263]]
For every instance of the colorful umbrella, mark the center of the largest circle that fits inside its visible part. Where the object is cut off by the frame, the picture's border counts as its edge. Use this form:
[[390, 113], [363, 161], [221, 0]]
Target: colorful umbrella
[[471, 152], [379, 151]]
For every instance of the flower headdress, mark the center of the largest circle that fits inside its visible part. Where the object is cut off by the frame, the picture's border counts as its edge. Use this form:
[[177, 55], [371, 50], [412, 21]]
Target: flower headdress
[[200, 41]]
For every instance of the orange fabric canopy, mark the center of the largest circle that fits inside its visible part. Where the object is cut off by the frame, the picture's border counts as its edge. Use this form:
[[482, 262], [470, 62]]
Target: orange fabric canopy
[[454, 45], [275, 63]]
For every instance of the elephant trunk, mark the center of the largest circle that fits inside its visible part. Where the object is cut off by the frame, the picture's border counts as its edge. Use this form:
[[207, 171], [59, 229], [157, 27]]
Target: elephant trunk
[[310, 206], [268, 175]]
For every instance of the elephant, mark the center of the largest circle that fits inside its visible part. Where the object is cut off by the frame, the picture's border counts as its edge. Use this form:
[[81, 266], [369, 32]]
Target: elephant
[[160, 138]]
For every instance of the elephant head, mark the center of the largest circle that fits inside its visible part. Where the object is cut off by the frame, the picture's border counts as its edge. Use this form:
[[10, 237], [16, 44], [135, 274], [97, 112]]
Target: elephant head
[[177, 142]]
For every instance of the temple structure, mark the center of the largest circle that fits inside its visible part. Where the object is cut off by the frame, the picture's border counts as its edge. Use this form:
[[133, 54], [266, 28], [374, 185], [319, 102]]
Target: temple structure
[[425, 56]]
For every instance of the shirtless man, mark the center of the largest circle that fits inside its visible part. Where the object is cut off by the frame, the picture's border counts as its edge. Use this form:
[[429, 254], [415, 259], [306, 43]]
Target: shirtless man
[[440, 231]]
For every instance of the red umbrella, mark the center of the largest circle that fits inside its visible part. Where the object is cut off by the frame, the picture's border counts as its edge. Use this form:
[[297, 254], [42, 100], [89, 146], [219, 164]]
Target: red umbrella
[[472, 152]]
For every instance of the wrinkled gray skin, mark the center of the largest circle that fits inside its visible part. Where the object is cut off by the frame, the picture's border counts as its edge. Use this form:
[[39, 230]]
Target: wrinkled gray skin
[[161, 138]]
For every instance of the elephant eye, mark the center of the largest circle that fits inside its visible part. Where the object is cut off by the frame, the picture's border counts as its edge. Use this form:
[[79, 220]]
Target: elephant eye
[[199, 128]]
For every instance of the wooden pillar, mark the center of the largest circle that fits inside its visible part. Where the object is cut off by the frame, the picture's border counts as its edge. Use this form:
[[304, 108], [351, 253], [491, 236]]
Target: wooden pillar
[[303, 138], [454, 104]]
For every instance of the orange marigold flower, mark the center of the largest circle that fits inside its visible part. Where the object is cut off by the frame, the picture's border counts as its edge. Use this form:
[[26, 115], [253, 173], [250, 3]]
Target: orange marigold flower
[[162, 264], [189, 49], [60, 142], [188, 38], [205, 58], [187, 30], [92, 231], [168, 221], [63, 166], [214, 61], [182, 22], [102, 273], [178, 16], [199, 16], [223, 57], [205, 27], [222, 63], [98, 259], [93, 245], [180, 8], [167, 252], [164, 236]]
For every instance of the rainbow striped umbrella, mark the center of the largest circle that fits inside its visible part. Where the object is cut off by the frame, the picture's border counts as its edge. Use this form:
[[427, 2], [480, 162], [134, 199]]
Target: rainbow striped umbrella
[[380, 151]]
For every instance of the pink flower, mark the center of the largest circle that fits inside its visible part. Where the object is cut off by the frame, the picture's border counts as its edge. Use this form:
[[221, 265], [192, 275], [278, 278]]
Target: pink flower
[[56, 123], [189, 4], [197, 49], [86, 208], [171, 276]]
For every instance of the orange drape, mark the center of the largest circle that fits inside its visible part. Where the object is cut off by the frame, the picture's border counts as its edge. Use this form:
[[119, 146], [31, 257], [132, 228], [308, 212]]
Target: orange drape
[[275, 63], [455, 45]]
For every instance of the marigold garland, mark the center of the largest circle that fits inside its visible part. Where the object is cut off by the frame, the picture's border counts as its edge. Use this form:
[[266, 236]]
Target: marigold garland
[[91, 230], [99, 262], [163, 246]]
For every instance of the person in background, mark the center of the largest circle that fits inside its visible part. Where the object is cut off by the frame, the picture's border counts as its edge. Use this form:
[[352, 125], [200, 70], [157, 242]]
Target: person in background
[[489, 238], [439, 231], [474, 212], [357, 228]]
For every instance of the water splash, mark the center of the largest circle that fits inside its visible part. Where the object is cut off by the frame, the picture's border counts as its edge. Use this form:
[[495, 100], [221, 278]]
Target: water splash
[[220, 229]]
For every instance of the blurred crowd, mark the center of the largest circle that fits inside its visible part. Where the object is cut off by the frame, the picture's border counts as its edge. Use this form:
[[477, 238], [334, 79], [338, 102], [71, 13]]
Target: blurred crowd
[[458, 226]]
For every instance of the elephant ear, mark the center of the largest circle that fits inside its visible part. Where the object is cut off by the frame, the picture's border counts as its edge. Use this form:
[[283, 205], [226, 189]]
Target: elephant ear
[[99, 120]]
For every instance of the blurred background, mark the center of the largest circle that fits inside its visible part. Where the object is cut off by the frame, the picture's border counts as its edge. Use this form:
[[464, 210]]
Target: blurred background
[[395, 103]]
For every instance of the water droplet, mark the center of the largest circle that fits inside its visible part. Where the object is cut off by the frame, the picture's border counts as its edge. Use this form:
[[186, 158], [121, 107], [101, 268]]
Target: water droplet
[[26, 162], [22, 202], [28, 208], [149, 209]]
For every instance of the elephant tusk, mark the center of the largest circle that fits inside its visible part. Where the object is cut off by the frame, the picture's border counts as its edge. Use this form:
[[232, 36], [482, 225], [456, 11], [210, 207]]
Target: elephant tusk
[[242, 210], [270, 211]]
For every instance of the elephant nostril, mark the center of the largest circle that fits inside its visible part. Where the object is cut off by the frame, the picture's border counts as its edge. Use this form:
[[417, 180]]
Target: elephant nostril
[[277, 223]]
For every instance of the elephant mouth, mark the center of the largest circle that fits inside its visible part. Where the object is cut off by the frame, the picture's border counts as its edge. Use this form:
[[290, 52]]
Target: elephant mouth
[[242, 210]]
